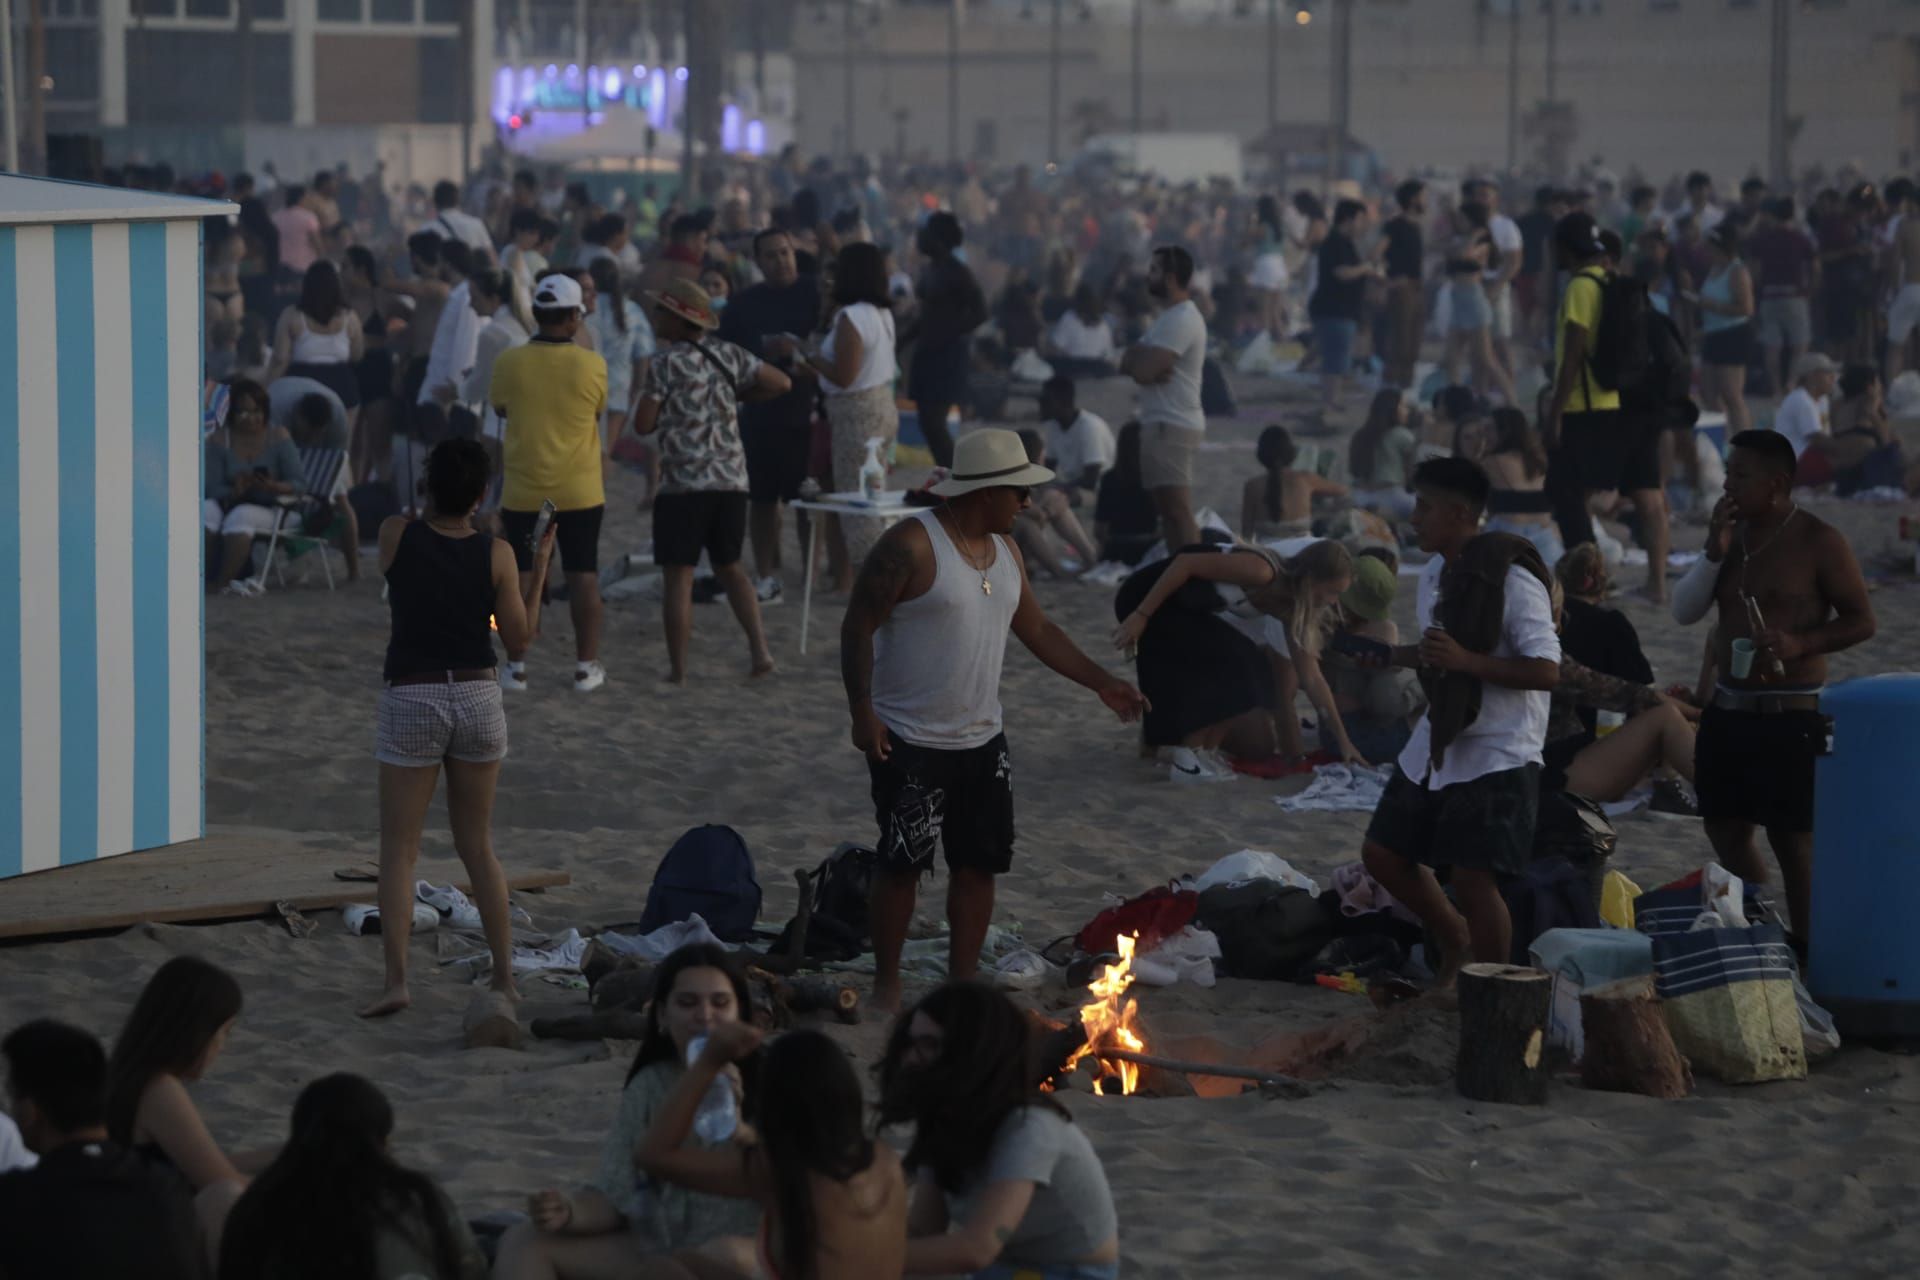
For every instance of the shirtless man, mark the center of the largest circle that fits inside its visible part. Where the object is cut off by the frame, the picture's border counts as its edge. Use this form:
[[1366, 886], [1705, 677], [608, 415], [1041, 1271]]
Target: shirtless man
[[1789, 593], [1904, 315]]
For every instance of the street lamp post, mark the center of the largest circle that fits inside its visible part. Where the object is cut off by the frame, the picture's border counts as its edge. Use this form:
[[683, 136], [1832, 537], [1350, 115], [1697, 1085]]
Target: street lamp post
[[846, 54], [1273, 69], [1513, 88], [1053, 85], [1139, 29], [953, 82], [1779, 165], [1341, 38]]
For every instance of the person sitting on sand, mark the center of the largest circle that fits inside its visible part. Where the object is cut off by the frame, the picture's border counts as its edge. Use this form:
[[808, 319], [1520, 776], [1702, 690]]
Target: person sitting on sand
[[1377, 705], [833, 1202], [176, 1031], [1278, 503], [1080, 443], [335, 1203], [89, 1207], [1218, 680], [1381, 455], [1126, 524], [1466, 791], [1516, 466], [691, 407], [1048, 525], [625, 1221], [1005, 1184], [442, 707]]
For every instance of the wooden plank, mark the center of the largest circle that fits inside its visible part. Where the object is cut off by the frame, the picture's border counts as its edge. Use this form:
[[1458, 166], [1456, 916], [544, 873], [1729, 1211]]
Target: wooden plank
[[233, 874]]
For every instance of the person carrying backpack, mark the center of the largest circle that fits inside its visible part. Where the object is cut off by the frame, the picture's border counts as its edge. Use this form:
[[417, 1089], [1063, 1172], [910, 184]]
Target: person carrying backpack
[[1604, 343]]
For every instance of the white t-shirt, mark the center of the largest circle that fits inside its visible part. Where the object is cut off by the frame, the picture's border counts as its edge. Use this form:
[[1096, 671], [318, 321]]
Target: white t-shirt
[[1800, 418], [877, 365], [13, 1149], [1076, 338], [1176, 402], [455, 340], [1512, 724], [464, 227], [1085, 442], [1508, 240]]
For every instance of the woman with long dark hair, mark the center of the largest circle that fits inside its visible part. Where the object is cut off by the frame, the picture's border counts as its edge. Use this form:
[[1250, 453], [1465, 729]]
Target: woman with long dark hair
[[178, 1027], [624, 1221], [1278, 503], [320, 336], [1380, 456], [833, 1201], [335, 1203], [951, 308], [1006, 1182], [248, 467], [1126, 524]]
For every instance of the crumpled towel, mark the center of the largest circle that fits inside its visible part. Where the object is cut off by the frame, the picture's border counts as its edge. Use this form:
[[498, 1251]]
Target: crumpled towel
[[1361, 895], [927, 957], [1339, 788], [664, 941], [1253, 864], [1186, 956]]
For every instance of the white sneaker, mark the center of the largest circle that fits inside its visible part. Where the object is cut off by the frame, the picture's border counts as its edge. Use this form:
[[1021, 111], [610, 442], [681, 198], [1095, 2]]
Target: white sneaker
[[592, 678], [1218, 762], [768, 590], [1184, 764], [511, 681]]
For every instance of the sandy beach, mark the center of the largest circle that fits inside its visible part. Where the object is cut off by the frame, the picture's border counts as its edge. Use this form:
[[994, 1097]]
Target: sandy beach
[[1380, 1169]]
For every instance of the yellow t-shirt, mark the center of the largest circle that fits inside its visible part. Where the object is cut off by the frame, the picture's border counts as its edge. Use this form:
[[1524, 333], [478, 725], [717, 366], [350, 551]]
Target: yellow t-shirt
[[551, 395], [1580, 304]]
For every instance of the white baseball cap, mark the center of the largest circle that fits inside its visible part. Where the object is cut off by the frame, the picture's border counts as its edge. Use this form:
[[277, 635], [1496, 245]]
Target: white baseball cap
[[558, 293]]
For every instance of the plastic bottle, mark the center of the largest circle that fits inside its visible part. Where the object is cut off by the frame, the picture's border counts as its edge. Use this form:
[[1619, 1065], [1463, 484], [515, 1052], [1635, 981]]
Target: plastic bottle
[[718, 1115], [873, 472]]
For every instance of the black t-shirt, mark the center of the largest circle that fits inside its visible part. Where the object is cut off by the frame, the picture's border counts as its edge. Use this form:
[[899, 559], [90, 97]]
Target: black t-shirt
[[1334, 298], [1406, 249], [1603, 639], [1132, 522], [95, 1211], [758, 313]]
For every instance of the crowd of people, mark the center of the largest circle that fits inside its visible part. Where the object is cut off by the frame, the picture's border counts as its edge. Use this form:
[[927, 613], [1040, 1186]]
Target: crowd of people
[[480, 358]]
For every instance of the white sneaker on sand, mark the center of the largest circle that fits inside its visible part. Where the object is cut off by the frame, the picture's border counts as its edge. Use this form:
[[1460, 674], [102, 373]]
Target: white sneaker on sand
[[768, 590], [1184, 764], [587, 680], [512, 681]]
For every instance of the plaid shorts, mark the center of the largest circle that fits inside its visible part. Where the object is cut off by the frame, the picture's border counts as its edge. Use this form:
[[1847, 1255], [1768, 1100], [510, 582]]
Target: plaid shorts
[[423, 724]]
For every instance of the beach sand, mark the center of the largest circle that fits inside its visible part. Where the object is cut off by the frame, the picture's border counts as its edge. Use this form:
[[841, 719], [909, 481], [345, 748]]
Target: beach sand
[[1381, 1169]]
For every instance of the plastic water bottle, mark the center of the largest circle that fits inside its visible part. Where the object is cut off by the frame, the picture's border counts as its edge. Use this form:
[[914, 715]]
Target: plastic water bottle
[[873, 472], [718, 1115]]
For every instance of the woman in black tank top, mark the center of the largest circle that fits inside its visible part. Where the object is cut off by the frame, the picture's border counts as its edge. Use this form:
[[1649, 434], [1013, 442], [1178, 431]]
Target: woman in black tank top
[[441, 707]]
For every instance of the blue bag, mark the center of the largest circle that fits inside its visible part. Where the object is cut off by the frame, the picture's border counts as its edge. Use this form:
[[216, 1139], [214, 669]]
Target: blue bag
[[709, 872]]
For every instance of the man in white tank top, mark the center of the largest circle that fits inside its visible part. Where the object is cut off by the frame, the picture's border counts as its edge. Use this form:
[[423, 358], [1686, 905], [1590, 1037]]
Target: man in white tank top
[[920, 651]]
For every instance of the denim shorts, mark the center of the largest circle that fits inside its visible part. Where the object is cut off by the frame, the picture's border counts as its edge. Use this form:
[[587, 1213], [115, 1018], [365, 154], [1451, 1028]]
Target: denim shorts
[[1334, 338]]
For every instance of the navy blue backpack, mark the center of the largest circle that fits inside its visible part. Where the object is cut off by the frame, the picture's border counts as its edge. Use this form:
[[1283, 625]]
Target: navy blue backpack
[[708, 871]]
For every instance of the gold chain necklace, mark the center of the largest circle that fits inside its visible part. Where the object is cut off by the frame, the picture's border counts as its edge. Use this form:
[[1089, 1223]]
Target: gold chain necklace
[[966, 552], [1746, 555]]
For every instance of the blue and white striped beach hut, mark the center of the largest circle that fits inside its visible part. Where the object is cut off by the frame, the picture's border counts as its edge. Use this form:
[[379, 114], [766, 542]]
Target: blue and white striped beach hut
[[101, 706]]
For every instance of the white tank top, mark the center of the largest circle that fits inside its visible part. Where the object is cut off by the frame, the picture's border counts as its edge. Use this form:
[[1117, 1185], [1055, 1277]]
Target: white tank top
[[320, 348], [936, 661]]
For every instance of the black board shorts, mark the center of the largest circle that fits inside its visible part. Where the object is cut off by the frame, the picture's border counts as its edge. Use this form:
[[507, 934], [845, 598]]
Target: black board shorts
[[961, 799], [1757, 766]]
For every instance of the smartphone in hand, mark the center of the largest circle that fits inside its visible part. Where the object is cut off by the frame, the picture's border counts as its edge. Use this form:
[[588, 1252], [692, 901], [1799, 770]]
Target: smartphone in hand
[[1362, 649]]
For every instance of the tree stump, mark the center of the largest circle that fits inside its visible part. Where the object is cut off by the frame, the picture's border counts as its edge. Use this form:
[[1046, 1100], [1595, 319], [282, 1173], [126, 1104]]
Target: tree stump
[[1503, 1033], [1629, 1048], [491, 1022]]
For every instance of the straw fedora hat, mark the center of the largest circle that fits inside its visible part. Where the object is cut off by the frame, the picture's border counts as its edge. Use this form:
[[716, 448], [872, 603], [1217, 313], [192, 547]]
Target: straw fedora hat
[[990, 458], [687, 300]]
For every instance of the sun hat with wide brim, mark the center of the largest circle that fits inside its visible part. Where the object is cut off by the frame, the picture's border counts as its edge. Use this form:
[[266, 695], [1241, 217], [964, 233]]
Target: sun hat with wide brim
[[687, 300], [1370, 594], [990, 458]]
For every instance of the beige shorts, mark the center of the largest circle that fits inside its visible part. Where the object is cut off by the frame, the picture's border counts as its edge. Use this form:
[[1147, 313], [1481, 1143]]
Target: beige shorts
[[1166, 455]]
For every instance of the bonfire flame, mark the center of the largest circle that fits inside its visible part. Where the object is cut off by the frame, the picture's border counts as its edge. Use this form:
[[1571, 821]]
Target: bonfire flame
[[1108, 1023]]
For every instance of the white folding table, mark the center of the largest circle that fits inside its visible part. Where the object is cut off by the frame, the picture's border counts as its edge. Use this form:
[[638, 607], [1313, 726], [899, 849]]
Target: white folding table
[[846, 506]]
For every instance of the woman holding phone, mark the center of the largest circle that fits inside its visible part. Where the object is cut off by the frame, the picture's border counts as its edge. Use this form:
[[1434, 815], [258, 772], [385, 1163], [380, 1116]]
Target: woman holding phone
[[441, 706]]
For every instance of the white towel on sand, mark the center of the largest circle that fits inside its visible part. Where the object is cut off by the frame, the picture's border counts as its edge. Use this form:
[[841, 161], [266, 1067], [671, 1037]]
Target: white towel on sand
[[1338, 788]]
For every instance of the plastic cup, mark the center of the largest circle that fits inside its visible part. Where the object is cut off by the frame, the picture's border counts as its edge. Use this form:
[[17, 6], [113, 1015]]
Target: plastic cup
[[1605, 722], [1742, 663]]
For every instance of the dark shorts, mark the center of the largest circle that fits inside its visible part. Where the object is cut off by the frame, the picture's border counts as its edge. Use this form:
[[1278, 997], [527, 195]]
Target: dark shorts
[[1611, 449], [576, 538], [1755, 766], [1482, 825], [963, 799], [1728, 347], [685, 524], [777, 456]]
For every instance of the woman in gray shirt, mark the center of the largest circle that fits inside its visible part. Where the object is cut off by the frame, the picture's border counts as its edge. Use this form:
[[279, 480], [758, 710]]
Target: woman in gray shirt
[[1004, 1180]]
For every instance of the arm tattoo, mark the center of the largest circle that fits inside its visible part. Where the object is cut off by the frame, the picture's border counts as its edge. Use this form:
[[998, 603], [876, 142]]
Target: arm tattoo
[[888, 569], [1585, 687]]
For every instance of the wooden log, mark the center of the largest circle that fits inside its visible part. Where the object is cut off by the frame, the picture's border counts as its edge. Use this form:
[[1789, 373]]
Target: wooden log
[[1503, 1033], [802, 919], [610, 1024], [1184, 1068], [1052, 1044], [492, 1023], [1628, 1046], [819, 995]]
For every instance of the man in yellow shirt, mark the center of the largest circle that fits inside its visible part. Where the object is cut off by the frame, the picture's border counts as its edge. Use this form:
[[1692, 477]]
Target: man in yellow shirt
[[1595, 444], [551, 393]]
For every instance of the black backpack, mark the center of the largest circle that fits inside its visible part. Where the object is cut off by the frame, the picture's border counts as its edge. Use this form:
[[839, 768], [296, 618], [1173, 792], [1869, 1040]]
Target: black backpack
[[1622, 358], [708, 871], [1668, 383], [1266, 929], [840, 888]]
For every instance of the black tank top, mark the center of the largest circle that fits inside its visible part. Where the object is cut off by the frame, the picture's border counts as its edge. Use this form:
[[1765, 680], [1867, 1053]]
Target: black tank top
[[440, 590]]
